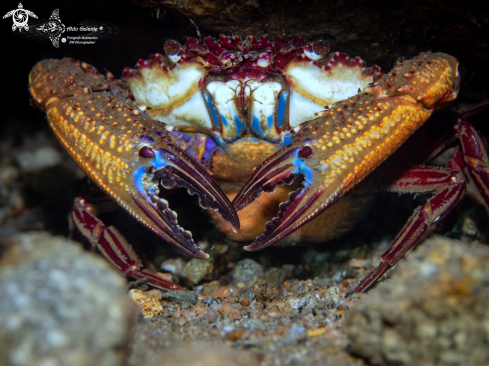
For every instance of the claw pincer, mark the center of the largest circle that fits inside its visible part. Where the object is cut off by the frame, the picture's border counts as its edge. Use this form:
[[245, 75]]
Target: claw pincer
[[337, 150], [120, 148]]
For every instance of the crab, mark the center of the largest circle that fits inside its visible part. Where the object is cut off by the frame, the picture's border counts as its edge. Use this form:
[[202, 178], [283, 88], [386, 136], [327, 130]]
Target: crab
[[233, 118]]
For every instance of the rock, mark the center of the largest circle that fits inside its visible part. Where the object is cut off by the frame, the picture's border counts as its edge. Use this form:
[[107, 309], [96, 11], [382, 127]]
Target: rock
[[267, 291], [175, 266], [247, 271], [204, 354], [147, 303], [181, 297], [276, 275], [41, 158], [60, 305], [433, 310], [197, 270]]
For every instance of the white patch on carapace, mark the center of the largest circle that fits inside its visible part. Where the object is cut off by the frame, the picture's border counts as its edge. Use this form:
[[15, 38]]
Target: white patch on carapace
[[173, 95], [221, 92], [192, 113], [302, 109], [312, 84], [264, 92]]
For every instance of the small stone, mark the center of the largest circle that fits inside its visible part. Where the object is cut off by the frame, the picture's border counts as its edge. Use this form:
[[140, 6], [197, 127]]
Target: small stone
[[267, 291], [220, 292], [164, 276], [241, 285], [180, 321], [276, 275], [155, 293], [149, 305], [42, 158], [357, 263], [245, 302], [181, 297], [247, 271], [197, 270], [235, 335], [211, 317], [230, 309], [174, 265]]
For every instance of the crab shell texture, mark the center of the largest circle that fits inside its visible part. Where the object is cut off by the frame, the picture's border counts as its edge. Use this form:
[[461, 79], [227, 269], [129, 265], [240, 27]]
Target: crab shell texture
[[235, 102]]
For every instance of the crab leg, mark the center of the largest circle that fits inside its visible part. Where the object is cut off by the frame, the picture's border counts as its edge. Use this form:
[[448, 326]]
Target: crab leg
[[449, 190], [337, 150], [122, 150], [448, 187], [475, 156], [113, 246]]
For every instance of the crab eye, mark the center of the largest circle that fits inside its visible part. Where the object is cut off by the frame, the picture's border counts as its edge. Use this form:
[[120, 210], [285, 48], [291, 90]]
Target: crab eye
[[146, 152], [305, 152], [317, 50], [172, 50], [264, 59]]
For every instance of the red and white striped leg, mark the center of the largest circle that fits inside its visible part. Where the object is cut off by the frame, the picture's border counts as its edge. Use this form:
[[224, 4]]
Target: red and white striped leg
[[113, 246], [447, 186], [475, 156]]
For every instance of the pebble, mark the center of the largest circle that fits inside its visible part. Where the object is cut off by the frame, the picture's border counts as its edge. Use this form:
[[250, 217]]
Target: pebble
[[41, 158], [149, 305], [197, 270], [276, 275], [267, 291], [247, 271], [60, 305]]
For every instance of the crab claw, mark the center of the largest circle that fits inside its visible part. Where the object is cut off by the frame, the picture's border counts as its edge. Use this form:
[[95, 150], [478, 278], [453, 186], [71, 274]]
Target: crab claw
[[337, 150], [171, 166], [303, 205], [122, 150]]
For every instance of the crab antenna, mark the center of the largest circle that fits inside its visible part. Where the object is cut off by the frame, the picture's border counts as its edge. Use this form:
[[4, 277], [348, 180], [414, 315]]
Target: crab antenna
[[283, 24], [197, 29]]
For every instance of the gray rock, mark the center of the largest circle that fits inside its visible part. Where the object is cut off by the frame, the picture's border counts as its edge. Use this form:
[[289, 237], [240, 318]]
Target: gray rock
[[276, 275], [197, 270], [433, 311], [247, 271], [41, 158], [181, 296], [204, 354], [60, 305]]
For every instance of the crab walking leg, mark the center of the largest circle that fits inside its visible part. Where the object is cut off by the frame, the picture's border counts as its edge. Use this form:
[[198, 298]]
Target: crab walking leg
[[475, 156], [113, 246], [448, 187]]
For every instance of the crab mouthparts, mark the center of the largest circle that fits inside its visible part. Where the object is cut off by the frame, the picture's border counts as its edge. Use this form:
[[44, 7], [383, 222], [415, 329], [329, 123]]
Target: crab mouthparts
[[174, 167]]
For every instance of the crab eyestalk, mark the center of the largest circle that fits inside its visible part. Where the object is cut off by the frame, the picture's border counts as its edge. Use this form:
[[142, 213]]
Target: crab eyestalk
[[337, 150]]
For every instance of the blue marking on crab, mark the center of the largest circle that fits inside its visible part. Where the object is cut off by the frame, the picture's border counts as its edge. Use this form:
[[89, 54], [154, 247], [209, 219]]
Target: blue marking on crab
[[282, 103]]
